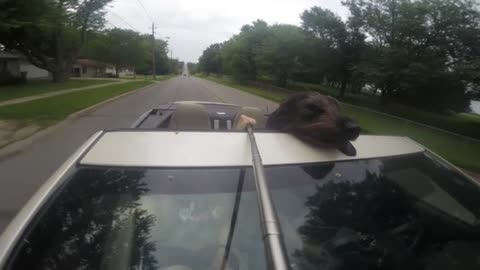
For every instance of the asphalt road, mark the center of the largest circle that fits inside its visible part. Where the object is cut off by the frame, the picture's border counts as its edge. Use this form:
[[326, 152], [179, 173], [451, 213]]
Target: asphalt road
[[23, 173]]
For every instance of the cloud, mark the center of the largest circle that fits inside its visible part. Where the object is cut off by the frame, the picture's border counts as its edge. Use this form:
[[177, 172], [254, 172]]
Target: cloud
[[192, 25]]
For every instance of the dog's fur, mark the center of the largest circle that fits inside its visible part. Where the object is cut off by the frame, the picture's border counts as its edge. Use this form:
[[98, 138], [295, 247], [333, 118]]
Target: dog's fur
[[315, 119]]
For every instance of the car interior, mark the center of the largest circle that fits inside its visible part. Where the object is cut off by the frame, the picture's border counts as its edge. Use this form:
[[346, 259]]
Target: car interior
[[197, 116]]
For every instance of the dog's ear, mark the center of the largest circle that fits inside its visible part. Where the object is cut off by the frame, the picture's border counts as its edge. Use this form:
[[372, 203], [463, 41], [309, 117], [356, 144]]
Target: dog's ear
[[348, 149]]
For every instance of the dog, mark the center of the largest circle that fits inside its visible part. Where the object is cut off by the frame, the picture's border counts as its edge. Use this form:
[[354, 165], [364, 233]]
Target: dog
[[316, 119]]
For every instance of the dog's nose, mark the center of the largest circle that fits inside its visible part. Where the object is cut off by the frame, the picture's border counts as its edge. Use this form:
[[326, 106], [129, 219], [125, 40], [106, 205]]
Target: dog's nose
[[352, 129]]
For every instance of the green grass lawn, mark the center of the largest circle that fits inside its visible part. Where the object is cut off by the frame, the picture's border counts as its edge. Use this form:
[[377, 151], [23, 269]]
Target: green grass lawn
[[459, 151], [35, 87], [58, 107]]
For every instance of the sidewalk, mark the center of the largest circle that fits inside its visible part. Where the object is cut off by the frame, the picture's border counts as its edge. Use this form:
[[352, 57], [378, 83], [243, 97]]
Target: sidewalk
[[22, 132], [56, 93]]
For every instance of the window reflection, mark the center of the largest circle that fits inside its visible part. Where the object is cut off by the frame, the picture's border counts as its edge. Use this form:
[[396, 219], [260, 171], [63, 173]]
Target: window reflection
[[92, 227], [394, 213]]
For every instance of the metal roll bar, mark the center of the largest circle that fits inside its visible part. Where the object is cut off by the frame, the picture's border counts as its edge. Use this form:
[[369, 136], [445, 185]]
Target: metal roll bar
[[275, 251]]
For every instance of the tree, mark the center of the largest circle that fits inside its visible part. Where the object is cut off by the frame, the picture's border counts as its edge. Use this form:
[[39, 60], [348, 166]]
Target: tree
[[120, 47], [239, 52], [192, 67], [50, 33], [413, 42], [127, 49], [163, 64], [338, 44], [418, 52], [279, 51], [211, 61]]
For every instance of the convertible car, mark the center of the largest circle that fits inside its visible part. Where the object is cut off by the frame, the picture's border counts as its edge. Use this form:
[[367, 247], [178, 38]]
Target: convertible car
[[184, 189]]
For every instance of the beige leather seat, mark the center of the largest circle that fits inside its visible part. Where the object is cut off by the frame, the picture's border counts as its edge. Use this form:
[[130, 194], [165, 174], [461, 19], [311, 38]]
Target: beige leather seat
[[252, 112], [190, 116]]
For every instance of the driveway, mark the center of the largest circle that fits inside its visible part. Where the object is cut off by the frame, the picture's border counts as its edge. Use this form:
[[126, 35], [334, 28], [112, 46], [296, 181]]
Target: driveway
[[22, 174]]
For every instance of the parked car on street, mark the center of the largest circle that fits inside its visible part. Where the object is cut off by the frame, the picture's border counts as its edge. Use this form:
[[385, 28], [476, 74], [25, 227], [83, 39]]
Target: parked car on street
[[180, 190]]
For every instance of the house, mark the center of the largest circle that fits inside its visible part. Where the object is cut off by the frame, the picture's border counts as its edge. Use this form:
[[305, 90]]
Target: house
[[9, 67], [15, 67], [125, 72], [93, 68], [32, 72]]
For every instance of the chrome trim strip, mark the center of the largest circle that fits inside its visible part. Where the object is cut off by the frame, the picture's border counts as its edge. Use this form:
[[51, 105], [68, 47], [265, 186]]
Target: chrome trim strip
[[18, 225], [141, 119], [277, 258]]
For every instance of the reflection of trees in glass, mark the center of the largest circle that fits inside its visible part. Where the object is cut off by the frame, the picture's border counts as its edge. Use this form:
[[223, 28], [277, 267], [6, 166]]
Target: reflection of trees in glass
[[94, 223], [356, 225]]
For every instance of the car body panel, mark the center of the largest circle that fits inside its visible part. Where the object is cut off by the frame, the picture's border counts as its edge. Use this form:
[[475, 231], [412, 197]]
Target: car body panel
[[225, 149]]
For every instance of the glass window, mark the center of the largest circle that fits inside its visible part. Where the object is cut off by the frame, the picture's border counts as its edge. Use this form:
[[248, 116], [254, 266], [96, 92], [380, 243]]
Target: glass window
[[407, 212]]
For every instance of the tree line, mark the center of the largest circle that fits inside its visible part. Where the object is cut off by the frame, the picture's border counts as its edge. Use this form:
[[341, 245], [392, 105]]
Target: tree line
[[129, 49], [418, 52], [52, 34]]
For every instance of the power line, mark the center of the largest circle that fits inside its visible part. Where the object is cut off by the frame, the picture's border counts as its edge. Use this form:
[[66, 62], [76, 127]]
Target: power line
[[123, 20], [144, 9], [112, 24]]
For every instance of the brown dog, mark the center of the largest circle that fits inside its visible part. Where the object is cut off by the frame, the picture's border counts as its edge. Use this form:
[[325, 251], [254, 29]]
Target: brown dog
[[315, 119]]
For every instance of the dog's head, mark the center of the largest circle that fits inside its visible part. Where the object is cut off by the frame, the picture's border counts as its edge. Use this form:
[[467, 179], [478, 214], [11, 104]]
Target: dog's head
[[316, 119]]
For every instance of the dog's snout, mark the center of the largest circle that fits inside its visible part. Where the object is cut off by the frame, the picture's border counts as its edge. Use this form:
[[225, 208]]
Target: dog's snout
[[352, 129]]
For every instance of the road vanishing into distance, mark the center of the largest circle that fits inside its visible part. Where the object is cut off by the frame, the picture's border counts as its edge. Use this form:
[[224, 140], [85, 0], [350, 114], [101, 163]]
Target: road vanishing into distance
[[23, 173]]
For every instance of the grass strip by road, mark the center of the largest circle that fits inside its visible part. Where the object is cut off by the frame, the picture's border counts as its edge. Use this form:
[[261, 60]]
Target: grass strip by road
[[36, 87], [459, 151], [59, 107]]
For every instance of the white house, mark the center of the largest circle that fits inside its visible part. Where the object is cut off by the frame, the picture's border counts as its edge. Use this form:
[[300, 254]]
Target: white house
[[123, 72], [33, 72], [13, 65], [9, 66], [92, 68]]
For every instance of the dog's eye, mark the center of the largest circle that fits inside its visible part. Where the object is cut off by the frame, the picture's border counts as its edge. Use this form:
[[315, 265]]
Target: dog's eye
[[315, 108]]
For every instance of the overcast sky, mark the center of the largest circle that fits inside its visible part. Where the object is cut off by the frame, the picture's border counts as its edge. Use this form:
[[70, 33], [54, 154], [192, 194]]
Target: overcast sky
[[192, 25]]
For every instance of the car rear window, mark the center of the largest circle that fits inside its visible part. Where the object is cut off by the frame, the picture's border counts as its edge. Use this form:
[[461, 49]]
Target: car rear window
[[407, 212]]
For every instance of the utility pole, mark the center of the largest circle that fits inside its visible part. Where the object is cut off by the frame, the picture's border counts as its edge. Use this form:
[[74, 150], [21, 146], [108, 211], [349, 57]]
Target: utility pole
[[153, 50]]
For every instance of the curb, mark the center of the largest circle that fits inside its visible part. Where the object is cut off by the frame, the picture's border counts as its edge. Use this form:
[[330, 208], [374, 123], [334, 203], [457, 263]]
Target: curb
[[18, 146]]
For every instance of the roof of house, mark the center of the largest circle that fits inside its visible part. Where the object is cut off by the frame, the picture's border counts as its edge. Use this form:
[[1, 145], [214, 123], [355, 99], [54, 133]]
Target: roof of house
[[8, 55]]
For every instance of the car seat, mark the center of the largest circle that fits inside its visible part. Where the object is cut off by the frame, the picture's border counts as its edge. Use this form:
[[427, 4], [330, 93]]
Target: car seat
[[252, 112], [190, 116]]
